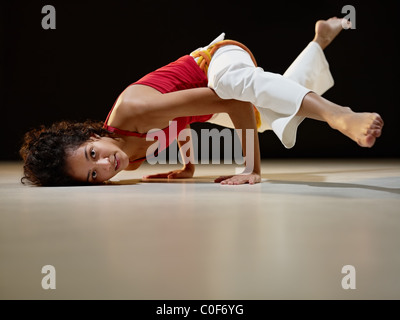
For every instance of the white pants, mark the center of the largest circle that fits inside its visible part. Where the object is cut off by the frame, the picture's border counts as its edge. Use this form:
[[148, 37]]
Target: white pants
[[233, 75]]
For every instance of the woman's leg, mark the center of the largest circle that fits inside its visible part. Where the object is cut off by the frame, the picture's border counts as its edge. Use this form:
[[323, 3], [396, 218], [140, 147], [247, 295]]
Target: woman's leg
[[363, 128], [284, 102], [310, 68], [327, 30]]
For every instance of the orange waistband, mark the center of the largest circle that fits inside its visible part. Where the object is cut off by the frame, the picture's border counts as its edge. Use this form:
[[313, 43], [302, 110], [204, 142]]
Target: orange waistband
[[205, 56]]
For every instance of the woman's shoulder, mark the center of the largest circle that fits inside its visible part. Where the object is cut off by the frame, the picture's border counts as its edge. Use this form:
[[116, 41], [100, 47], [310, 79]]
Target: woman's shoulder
[[135, 98], [132, 109]]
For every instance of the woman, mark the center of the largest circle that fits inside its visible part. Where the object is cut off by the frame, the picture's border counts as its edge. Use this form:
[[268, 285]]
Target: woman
[[219, 83]]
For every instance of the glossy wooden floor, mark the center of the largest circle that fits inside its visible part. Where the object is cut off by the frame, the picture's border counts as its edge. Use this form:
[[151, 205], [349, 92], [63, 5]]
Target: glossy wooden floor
[[286, 238]]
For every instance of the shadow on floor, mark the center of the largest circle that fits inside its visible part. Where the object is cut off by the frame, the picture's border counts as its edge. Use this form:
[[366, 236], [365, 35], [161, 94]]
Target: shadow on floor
[[307, 179], [337, 185]]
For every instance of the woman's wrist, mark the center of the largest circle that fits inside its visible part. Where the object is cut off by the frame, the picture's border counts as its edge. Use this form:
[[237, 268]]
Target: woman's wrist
[[190, 167]]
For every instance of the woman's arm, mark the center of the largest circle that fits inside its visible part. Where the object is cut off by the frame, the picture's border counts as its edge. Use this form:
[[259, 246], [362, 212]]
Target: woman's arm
[[188, 168], [151, 109], [147, 108], [186, 152], [244, 120]]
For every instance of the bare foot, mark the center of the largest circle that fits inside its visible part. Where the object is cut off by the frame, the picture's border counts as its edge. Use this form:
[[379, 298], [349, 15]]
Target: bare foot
[[327, 30], [361, 127]]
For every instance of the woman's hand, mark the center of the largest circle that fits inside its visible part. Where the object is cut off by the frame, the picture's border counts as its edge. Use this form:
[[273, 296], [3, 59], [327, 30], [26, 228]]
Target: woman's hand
[[183, 173], [251, 178]]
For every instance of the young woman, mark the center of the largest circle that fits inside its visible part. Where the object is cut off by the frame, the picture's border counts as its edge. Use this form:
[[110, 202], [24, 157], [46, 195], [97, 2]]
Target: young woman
[[219, 83]]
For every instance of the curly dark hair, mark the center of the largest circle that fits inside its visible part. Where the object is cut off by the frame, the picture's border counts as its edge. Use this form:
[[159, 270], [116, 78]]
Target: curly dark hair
[[44, 151]]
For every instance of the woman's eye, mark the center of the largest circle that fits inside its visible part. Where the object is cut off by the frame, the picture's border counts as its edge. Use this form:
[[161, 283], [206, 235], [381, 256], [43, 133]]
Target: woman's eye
[[94, 175], [93, 153]]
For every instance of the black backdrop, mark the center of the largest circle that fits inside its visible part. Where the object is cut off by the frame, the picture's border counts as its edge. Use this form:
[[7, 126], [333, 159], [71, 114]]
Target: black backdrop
[[99, 47]]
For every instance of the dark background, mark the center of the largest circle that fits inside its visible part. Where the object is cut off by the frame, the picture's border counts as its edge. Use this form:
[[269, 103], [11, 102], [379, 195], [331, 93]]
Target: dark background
[[99, 47]]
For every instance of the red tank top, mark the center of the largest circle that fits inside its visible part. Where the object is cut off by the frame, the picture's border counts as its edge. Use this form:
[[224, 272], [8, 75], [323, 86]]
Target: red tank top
[[181, 74]]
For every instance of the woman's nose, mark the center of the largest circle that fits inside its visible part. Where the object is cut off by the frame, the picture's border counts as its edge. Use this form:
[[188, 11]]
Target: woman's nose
[[104, 163]]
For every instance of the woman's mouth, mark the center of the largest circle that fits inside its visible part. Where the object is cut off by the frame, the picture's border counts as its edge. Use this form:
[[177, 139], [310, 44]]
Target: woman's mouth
[[117, 163]]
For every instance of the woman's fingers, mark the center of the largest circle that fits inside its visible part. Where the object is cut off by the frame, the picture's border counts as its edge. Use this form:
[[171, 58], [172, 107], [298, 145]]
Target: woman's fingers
[[235, 180], [158, 175], [225, 180], [239, 179], [221, 178], [176, 174]]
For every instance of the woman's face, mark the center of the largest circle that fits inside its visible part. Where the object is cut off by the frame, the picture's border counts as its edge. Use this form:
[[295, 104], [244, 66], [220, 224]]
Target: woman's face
[[97, 160]]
